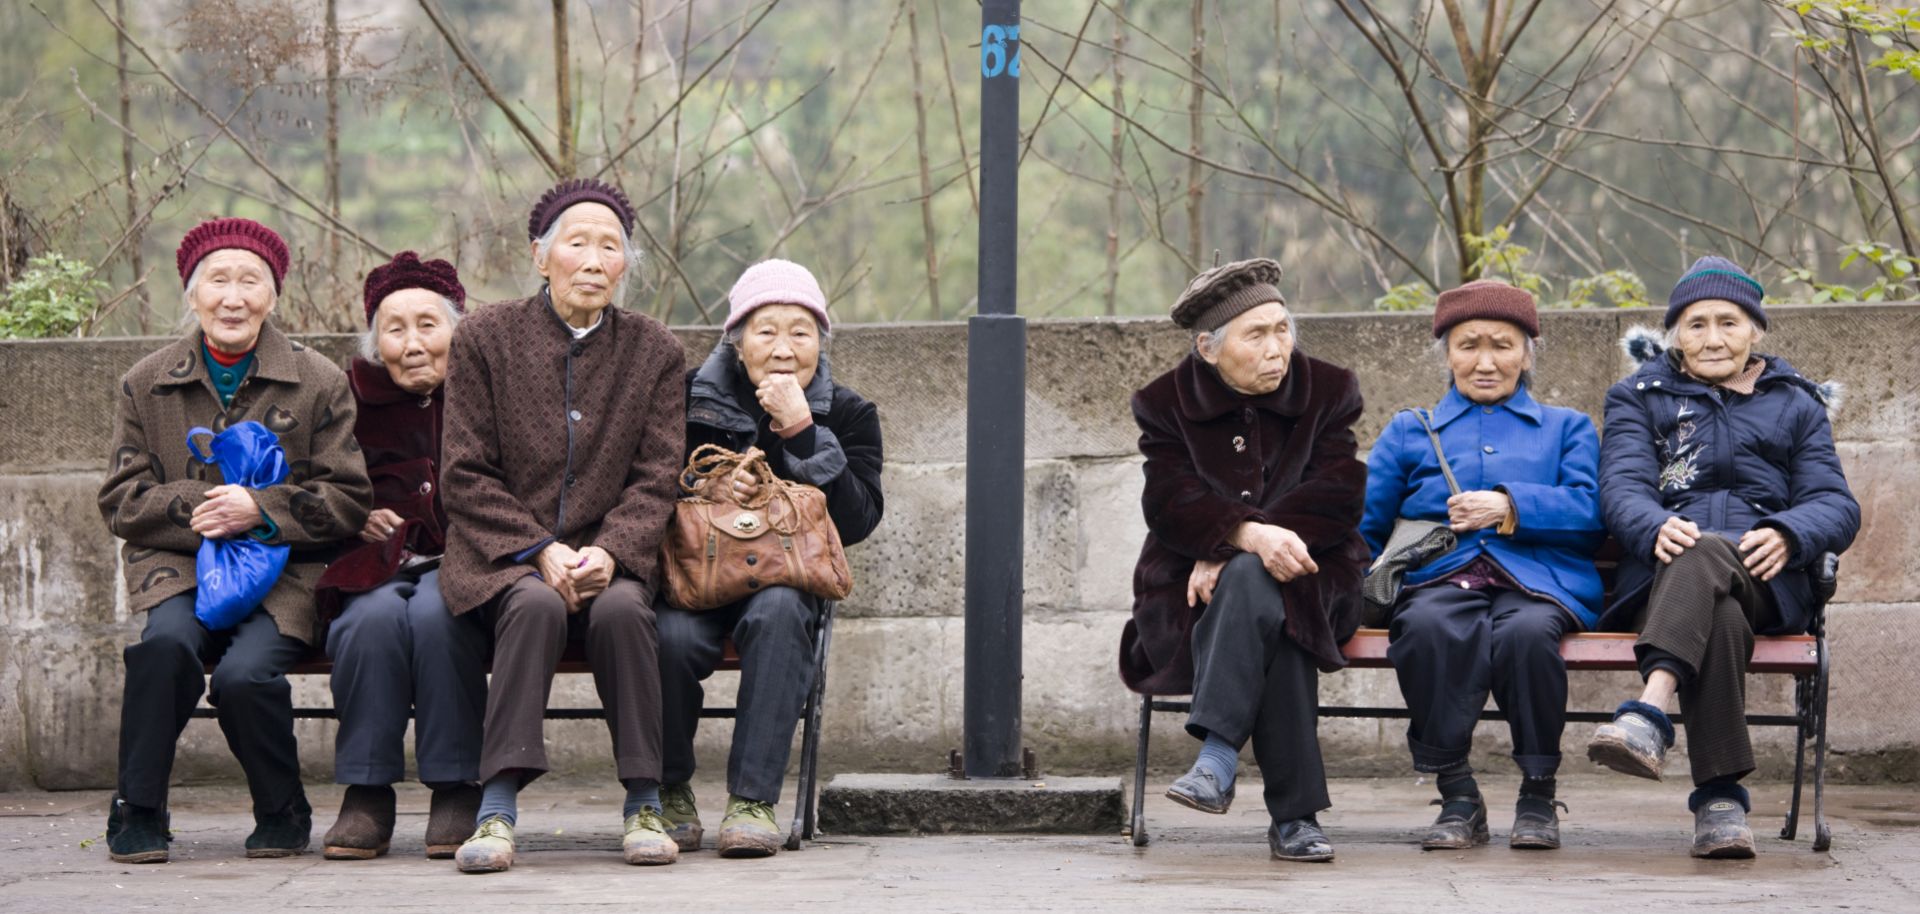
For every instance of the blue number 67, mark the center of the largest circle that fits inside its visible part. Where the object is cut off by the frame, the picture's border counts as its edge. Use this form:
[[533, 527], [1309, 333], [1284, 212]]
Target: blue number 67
[[993, 51]]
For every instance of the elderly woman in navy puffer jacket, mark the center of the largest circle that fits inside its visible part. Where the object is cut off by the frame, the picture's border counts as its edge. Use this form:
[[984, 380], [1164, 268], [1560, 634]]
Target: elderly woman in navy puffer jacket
[[1720, 481]]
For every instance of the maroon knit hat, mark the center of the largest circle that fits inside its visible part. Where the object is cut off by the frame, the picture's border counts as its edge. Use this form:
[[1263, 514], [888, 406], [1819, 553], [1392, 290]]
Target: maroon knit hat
[[578, 190], [243, 234], [1488, 299], [408, 271]]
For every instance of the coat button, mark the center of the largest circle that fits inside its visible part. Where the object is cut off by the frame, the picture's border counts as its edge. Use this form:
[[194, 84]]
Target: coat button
[[1246, 415], [571, 480], [426, 488], [1640, 386], [426, 402], [753, 583], [576, 350], [1487, 409], [752, 559], [1246, 497], [574, 415], [1488, 448], [1656, 383]]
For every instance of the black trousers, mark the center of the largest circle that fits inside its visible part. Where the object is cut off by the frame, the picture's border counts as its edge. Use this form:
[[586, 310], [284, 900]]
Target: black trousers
[[1699, 623], [1450, 647], [396, 648], [1251, 681], [773, 631], [249, 688]]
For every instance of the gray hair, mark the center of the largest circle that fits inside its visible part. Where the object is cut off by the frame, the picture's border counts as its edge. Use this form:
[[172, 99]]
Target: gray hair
[[370, 342], [187, 316], [1671, 339], [543, 246], [738, 331], [1439, 352], [1208, 342]]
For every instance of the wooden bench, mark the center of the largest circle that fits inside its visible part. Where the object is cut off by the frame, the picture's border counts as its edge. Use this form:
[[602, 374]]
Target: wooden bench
[[805, 810], [1803, 657]]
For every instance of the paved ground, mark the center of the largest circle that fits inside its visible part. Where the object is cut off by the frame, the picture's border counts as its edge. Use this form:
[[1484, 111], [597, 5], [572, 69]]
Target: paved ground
[[1626, 847]]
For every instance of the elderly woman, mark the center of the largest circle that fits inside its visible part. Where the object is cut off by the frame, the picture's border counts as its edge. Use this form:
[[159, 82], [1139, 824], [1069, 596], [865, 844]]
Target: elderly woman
[[233, 367], [1250, 575], [767, 385], [1488, 615], [565, 419], [394, 645], [1720, 481]]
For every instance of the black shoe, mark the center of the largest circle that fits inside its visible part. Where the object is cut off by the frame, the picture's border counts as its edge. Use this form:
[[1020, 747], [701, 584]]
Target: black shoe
[[1299, 841], [1197, 789], [136, 834], [1536, 824], [282, 834], [1462, 824], [1720, 831]]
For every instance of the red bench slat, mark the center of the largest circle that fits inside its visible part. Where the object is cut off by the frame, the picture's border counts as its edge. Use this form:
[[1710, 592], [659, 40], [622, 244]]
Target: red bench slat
[[573, 661], [1610, 651]]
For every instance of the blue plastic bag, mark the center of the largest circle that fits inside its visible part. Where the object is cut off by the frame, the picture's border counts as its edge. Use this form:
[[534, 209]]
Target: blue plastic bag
[[236, 574]]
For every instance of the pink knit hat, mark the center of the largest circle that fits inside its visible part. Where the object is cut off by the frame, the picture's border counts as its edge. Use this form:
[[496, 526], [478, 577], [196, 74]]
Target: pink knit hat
[[776, 282]]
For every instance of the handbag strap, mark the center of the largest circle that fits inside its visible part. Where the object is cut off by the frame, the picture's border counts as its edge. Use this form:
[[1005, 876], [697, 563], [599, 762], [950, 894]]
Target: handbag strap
[[1438, 451]]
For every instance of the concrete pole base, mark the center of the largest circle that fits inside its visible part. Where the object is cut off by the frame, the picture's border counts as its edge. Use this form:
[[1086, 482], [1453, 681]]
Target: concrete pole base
[[935, 804]]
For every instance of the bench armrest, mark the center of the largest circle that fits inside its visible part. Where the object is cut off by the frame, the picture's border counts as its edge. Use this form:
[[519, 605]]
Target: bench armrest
[[1826, 579]]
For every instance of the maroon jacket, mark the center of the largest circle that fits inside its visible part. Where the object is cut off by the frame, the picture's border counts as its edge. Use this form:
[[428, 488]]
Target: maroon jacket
[[1296, 469], [399, 433]]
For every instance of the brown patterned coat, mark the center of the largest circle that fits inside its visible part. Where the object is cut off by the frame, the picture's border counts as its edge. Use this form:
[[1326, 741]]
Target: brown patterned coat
[[153, 483], [551, 437]]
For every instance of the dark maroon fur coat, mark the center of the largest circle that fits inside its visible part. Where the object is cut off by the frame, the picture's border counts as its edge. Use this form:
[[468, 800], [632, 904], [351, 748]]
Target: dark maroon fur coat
[[1297, 469]]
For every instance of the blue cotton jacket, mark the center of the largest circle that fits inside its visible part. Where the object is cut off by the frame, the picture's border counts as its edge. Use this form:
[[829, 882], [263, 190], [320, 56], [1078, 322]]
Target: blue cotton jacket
[[1729, 463], [1542, 457]]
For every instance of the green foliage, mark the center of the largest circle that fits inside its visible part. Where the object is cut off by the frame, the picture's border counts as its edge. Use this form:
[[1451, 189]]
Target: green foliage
[[53, 297], [1899, 278], [1887, 27], [1621, 288], [1495, 256], [1408, 296]]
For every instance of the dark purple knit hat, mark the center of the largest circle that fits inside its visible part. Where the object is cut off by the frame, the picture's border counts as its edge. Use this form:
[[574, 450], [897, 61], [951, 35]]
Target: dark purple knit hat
[[1717, 277], [1485, 299], [578, 190], [242, 234], [408, 271]]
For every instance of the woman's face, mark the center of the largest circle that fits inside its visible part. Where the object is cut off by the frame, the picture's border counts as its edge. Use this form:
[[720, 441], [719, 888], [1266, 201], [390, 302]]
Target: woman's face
[[584, 266], [413, 334], [1715, 339], [1254, 349], [232, 298], [780, 339], [1487, 358]]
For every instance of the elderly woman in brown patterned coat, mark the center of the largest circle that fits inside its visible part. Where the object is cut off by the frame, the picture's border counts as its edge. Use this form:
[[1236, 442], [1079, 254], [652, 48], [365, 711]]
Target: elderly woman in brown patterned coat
[[234, 366], [565, 420]]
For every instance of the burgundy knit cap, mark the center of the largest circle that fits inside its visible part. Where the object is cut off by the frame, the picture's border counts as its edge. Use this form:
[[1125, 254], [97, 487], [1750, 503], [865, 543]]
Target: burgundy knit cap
[[408, 271], [243, 234], [1486, 299], [578, 190]]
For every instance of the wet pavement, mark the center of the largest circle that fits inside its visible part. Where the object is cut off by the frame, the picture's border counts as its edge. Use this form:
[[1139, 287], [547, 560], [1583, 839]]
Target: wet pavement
[[1626, 846]]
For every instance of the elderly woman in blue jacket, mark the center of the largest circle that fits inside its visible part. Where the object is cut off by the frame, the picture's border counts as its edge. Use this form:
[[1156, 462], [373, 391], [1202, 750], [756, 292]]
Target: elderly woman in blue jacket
[[1489, 615], [1723, 488]]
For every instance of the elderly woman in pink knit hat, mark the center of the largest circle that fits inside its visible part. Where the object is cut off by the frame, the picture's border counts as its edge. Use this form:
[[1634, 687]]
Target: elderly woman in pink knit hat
[[766, 385]]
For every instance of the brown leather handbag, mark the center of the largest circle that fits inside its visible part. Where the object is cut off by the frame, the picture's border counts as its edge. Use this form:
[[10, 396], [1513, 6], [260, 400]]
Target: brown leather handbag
[[718, 552]]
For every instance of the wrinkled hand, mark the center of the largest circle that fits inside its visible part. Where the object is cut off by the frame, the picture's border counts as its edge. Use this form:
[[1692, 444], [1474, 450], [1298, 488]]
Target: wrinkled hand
[[780, 395], [1282, 551], [1766, 550], [742, 486], [1477, 510], [380, 525], [556, 564], [1676, 536], [1200, 583], [228, 510], [594, 573]]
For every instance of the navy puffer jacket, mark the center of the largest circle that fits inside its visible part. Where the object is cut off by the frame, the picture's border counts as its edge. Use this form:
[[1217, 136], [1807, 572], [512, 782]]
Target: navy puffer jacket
[[1729, 463]]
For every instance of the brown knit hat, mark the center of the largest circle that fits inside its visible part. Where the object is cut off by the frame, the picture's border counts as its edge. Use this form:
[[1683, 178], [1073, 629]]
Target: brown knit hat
[[240, 234], [408, 271], [578, 190], [1488, 299], [1227, 291]]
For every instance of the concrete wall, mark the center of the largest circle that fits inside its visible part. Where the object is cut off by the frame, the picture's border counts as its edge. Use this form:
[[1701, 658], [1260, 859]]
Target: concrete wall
[[894, 689]]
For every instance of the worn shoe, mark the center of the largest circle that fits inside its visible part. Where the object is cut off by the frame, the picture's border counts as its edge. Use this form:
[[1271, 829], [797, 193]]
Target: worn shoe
[[1299, 841], [749, 829], [1635, 743], [1462, 824], [1720, 831], [1536, 824], [287, 833], [489, 850], [1197, 789], [136, 834], [452, 812], [683, 817], [364, 829], [646, 842]]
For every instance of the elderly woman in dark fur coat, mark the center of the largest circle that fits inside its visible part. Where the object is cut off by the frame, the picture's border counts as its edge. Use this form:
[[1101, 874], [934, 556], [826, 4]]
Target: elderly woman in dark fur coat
[[1249, 579], [1718, 477]]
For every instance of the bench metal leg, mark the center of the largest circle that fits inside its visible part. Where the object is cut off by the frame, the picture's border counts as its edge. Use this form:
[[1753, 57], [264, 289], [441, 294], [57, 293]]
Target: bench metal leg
[[806, 788], [1822, 835], [1138, 828], [1803, 709]]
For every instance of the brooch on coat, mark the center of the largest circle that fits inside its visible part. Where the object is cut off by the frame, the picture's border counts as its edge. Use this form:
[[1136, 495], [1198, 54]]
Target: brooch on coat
[[1239, 444]]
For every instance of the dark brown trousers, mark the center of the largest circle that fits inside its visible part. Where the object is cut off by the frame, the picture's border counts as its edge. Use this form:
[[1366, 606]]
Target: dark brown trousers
[[1699, 623], [531, 628]]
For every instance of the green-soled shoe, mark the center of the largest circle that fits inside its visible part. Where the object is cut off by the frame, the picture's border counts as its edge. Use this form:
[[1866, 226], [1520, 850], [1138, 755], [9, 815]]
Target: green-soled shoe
[[490, 850], [646, 842], [683, 817], [749, 829]]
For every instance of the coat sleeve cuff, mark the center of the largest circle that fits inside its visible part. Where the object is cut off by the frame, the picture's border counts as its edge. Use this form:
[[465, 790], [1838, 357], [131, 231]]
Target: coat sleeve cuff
[[824, 461], [532, 550]]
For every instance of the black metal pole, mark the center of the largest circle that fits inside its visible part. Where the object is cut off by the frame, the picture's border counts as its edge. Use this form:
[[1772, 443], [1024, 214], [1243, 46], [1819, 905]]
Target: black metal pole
[[996, 418]]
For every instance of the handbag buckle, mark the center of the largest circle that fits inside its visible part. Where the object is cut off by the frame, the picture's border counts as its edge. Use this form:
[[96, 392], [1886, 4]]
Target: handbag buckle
[[746, 523]]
